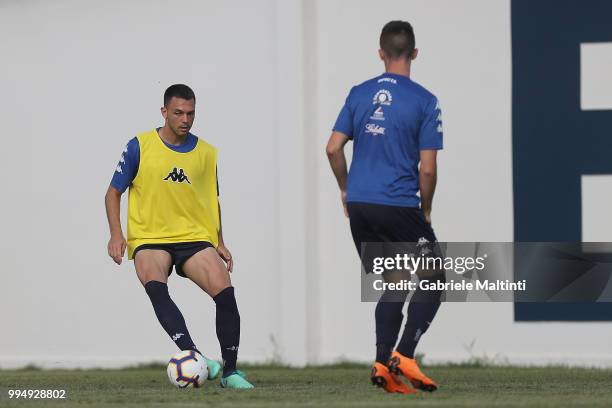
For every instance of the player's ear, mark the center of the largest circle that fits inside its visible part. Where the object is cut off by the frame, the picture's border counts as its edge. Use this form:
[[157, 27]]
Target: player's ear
[[164, 112], [415, 52], [381, 54]]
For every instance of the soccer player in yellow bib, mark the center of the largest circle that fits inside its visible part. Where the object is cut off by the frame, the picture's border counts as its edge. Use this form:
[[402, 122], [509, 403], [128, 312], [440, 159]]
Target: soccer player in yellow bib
[[174, 220]]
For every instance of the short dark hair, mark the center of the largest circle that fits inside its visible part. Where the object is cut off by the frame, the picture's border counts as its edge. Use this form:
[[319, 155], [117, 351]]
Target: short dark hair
[[397, 39], [178, 91]]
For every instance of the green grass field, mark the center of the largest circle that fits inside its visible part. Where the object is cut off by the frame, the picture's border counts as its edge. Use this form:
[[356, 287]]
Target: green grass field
[[344, 385]]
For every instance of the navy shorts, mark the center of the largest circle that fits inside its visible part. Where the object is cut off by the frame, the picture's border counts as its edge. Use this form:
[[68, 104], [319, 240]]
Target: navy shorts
[[180, 252], [377, 223]]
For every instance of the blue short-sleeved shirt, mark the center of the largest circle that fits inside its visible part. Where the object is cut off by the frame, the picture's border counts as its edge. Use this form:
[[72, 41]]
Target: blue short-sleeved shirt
[[390, 119]]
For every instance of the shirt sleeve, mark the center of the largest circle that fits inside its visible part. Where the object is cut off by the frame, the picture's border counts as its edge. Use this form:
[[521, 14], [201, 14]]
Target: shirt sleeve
[[344, 123], [127, 168], [430, 133]]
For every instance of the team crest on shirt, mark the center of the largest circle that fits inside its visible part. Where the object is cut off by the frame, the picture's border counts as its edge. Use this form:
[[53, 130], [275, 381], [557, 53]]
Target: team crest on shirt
[[382, 97], [177, 176]]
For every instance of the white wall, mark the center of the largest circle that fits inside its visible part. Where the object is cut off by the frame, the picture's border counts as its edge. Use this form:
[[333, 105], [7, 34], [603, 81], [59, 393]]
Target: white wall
[[80, 78]]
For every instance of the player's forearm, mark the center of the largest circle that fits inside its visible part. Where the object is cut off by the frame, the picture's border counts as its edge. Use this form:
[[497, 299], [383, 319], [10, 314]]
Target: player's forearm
[[427, 185], [337, 161], [112, 201]]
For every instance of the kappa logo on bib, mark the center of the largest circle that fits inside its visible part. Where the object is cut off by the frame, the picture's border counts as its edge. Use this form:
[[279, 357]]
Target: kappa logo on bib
[[177, 176]]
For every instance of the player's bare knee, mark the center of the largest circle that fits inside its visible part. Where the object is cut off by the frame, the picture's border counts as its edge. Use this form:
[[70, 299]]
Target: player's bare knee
[[150, 271], [218, 288]]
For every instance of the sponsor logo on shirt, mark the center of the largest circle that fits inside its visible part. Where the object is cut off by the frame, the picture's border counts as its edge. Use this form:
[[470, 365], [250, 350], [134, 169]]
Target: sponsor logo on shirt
[[177, 176], [375, 129], [382, 97], [439, 118], [119, 169], [392, 80], [378, 114]]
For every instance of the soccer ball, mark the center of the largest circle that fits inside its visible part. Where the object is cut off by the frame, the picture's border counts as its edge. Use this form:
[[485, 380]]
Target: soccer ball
[[187, 369]]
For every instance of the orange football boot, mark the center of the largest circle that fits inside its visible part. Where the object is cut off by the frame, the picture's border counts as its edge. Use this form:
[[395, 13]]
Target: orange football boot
[[381, 377], [400, 364]]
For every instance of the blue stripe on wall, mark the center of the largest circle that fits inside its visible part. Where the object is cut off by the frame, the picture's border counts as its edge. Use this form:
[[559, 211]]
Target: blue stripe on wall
[[553, 141]]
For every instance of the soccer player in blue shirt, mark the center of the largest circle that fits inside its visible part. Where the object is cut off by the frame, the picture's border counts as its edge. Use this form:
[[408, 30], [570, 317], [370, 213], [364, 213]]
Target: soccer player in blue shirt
[[395, 125]]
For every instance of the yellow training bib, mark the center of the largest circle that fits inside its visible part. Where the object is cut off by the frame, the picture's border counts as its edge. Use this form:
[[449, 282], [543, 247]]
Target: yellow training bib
[[173, 197]]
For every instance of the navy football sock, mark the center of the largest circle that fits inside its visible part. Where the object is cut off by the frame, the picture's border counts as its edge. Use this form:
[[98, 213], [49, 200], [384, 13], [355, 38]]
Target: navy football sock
[[388, 323], [169, 315], [420, 316], [422, 309], [228, 328]]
